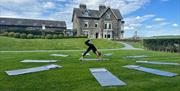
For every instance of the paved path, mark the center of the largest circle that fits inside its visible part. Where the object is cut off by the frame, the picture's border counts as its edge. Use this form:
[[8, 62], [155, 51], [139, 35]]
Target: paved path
[[126, 47], [129, 47]]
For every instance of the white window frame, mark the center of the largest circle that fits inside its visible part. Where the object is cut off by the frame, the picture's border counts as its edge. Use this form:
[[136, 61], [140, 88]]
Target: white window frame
[[86, 32], [108, 25], [95, 25], [85, 24]]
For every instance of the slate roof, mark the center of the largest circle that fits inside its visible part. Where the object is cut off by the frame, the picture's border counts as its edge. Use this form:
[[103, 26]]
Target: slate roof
[[95, 13], [31, 22]]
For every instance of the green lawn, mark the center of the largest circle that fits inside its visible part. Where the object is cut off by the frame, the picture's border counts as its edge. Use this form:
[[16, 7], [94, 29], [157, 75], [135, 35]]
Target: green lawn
[[75, 75], [7, 43]]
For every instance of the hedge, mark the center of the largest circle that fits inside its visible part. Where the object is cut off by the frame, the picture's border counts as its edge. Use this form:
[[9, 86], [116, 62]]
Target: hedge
[[162, 44], [16, 35], [23, 35], [11, 34], [48, 36], [30, 36]]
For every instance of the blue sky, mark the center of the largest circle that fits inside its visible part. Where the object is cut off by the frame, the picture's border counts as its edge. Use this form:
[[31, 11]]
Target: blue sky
[[148, 17]]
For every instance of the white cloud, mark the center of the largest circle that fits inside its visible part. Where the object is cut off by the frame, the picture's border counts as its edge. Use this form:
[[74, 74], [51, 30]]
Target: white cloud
[[175, 25], [63, 11], [149, 27], [19, 2], [49, 5], [134, 23], [159, 19]]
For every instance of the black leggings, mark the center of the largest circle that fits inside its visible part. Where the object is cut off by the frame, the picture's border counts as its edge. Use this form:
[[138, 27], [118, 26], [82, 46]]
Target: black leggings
[[89, 50]]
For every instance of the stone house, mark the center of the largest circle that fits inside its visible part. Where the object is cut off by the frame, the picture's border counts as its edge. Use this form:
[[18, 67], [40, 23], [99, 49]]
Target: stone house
[[104, 23]]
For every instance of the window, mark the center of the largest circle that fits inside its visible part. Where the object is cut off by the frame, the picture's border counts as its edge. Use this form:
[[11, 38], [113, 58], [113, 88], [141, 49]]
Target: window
[[96, 25], [85, 32], [107, 26], [86, 24], [110, 27]]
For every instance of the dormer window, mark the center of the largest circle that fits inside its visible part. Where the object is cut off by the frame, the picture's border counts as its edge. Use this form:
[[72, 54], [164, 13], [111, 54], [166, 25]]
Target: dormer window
[[86, 13]]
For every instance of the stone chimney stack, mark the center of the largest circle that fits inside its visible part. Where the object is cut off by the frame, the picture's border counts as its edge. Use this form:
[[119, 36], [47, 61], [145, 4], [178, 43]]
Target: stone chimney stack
[[82, 6], [102, 7]]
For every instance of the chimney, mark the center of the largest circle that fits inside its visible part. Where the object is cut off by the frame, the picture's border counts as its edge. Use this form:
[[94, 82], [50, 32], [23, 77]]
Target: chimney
[[82, 6], [102, 7]]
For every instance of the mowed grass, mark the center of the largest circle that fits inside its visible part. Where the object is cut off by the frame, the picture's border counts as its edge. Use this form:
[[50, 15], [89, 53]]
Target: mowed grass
[[75, 75], [13, 44]]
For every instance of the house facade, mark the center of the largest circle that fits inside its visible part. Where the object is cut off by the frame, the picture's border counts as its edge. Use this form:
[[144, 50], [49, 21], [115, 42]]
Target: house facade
[[104, 23]]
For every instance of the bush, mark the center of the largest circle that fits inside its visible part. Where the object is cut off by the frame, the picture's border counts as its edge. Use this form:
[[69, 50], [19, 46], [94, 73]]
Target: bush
[[16, 35], [48, 36], [37, 36], [60, 36], [55, 36], [11, 34], [42, 37], [30, 36], [23, 36], [5, 34]]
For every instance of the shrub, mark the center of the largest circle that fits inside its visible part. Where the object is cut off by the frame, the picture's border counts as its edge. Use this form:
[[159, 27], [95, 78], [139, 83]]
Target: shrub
[[30, 36], [37, 36], [48, 36], [11, 34], [5, 34], [60, 36], [42, 37], [23, 36], [16, 35], [55, 36]]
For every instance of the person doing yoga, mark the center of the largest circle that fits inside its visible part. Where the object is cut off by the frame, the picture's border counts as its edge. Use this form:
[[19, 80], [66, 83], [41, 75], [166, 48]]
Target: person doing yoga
[[91, 47]]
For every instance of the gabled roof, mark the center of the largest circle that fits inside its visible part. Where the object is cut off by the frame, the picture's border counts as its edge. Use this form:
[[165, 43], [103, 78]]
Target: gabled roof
[[31, 22], [116, 13], [95, 13]]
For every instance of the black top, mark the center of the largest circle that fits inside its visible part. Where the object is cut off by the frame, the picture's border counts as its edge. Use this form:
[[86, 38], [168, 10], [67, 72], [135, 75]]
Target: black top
[[90, 45]]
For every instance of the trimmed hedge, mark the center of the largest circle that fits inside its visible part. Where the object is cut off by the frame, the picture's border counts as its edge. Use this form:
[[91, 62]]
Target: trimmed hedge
[[23, 35], [162, 44], [11, 34], [5, 34], [16, 35], [49, 36], [55, 36], [31, 36]]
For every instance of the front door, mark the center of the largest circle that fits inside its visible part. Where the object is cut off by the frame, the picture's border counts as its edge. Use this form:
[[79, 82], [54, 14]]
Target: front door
[[97, 35]]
